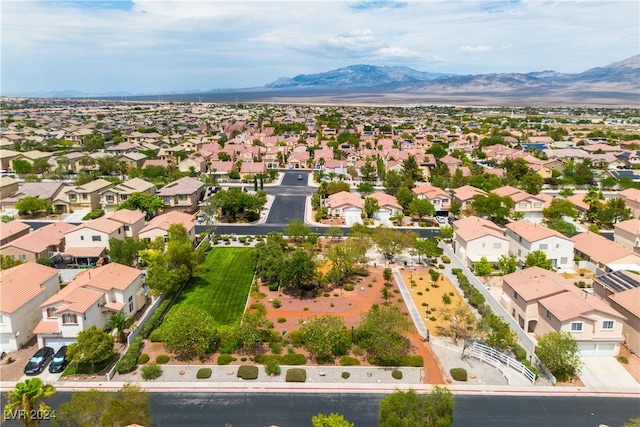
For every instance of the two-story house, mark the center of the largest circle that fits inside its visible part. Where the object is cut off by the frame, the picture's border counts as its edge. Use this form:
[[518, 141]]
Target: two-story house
[[8, 186], [113, 196], [12, 230], [89, 300], [627, 234], [526, 237], [46, 242], [439, 198], [23, 288], [182, 194], [603, 254], [530, 207], [43, 190], [464, 196], [86, 197], [631, 197], [475, 238]]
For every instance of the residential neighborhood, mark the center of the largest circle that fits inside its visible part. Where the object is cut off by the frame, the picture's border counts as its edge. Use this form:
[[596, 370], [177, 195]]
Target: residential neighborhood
[[110, 208]]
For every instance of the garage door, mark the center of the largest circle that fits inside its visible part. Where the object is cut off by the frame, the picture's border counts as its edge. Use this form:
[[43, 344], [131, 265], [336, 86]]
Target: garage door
[[56, 343], [587, 349], [352, 216], [597, 349], [5, 344]]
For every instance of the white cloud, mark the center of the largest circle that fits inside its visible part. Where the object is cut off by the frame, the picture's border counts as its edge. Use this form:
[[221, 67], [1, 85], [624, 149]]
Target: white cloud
[[474, 49]]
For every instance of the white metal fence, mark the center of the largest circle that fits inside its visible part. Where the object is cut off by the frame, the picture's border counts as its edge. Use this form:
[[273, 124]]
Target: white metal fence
[[501, 361]]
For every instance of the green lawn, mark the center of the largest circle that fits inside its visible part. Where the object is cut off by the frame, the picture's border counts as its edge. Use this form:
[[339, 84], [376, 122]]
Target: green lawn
[[222, 288]]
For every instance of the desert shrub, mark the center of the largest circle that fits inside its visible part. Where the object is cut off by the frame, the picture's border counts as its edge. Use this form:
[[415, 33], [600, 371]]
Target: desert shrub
[[622, 359], [276, 303], [143, 358], [520, 353], [282, 319], [225, 359], [296, 375], [324, 359], [446, 299], [294, 359], [348, 287], [424, 304], [349, 361], [297, 338], [273, 286], [10, 360], [247, 372], [276, 347], [396, 374], [458, 374], [346, 375], [203, 373], [162, 359], [151, 371], [272, 368], [446, 259]]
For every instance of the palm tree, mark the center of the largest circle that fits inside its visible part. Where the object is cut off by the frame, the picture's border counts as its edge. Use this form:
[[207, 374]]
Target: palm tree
[[119, 322], [26, 401], [592, 199]]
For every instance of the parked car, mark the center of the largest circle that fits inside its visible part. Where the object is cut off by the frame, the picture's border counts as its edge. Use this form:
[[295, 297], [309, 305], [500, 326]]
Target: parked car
[[39, 361], [59, 361], [441, 220], [300, 177]]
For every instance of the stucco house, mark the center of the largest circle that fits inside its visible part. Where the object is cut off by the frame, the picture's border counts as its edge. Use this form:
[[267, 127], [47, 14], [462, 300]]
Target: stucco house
[[345, 205], [603, 254], [526, 237], [627, 234], [45, 242], [476, 237], [388, 207], [439, 198], [89, 300], [530, 207], [182, 194], [8, 186], [159, 226], [543, 301], [464, 196], [13, 230], [631, 197], [86, 197], [113, 196], [23, 288]]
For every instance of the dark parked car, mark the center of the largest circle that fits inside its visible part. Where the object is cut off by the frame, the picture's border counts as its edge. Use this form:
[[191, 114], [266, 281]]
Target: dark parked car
[[39, 361], [59, 361]]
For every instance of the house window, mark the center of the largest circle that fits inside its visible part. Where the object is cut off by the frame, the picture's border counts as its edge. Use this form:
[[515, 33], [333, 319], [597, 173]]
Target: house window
[[127, 228], [497, 245], [557, 245], [182, 197], [515, 295], [130, 303], [81, 237], [537, 204], [119, 230], [607, 325], [522, 205], [51, 313], [22, 257], [85, 196], [124, 197], [548, 315], [544, 247], [563, 260], [110, 198], [1, 319], [69, 319], [513, 313], [96, 238], [73, 197], [576, 326], [166, 200]]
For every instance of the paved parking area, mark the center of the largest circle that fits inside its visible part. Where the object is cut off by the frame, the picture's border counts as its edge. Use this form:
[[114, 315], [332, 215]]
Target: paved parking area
[[606, 372]]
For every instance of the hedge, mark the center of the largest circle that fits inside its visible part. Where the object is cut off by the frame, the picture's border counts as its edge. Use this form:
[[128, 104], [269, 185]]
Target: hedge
[[129, 359], [294, 359], [247, 372], [403, 360], [349, 361], [143, 358], [161, 359], [296, 375], [458, 374], [154, 320], [203, 373]]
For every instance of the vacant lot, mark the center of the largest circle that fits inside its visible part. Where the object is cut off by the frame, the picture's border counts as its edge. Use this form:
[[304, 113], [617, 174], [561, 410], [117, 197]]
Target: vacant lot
[[223, 286]]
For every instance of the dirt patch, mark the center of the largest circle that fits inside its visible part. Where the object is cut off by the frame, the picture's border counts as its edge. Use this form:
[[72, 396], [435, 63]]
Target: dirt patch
[[13, 371], [633, 367]]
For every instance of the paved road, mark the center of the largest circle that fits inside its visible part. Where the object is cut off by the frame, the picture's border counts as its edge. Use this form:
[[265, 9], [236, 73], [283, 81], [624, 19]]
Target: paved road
[[296, 409]]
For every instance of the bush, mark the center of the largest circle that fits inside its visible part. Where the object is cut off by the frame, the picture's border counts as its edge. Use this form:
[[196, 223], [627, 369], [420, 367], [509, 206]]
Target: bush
[[203, 373], [129, 359], [276, 303], [349, 361], [282, 319], [296, 375], [458, 374], [396, 374], [346, 375], [532, 368], [446, 259], [273, 286], [446, 299], [154, 321], [622, 359], [162, 359], [272, 368], [248, 372], [225, 359], [93, 215], [156, 336], [143, 358], [151, 371], [400, 360], [520, 353], [10, 360], [294, 359], [348, 287]]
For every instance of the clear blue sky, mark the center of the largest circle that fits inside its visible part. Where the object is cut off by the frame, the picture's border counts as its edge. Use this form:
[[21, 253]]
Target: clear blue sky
[[158, 46]]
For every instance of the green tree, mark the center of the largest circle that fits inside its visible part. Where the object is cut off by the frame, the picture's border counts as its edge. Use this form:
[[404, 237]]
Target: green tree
[[405, 196], [558, 351], [492, 206], [507, 264], [393, 181], [21, 167], [252, 330], [562, 227], [559, 208], [592, 199], [411, 170], [124, 251], [368, 172], [150, 204], [325, 337], [391, 242], [381, 332], [92, 347], [299, 270], [334, 232], [189, 332], [618, 208], [129, 405], [331, 420], [366, 188], [269, 256], [411, 409], [28, 396], [8, 262], [537, 259], [427, 248], [461, 322], [40, 165], [180, 252], [31, 205], [119, 322], [531, 183], [446, 231], [297, 230], [595, 229], [422, 208], [371, 206], [483, 267], [500, 335]]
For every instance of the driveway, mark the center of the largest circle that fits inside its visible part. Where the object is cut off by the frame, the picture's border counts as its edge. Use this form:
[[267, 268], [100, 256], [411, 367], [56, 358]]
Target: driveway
[[603, 372]]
